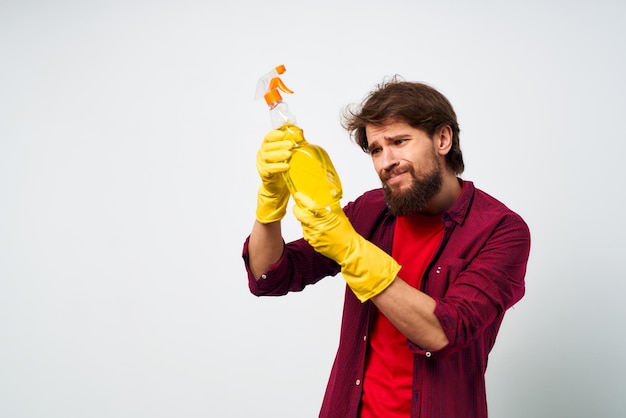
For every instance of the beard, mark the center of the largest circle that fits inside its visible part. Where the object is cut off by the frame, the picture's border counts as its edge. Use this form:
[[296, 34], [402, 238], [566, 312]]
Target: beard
[[416, 198]]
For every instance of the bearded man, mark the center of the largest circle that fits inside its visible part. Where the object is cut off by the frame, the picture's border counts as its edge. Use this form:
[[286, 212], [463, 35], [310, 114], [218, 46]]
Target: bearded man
[[431, 263]]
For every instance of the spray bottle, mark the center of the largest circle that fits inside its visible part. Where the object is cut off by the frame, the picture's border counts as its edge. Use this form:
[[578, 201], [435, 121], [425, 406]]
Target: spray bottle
[[311, 170]]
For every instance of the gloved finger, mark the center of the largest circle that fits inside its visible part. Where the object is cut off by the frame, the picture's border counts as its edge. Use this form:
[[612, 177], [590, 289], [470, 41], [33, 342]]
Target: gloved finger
[[274, 154], [305, 217], [282, 144], [305, 202], [276, 140], [276, 151], [274, 135], [309, 221], [275, 161], [267, 170], [312, 214]]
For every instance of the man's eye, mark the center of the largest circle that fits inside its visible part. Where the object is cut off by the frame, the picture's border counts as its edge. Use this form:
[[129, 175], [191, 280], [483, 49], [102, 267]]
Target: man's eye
[[399, 141], [374, 151]]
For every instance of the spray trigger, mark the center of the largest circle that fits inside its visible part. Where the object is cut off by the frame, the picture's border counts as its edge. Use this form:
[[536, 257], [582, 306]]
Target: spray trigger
[[270, 84]]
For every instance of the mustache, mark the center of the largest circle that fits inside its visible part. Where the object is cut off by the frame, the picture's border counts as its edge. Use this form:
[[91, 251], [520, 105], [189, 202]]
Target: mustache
[[387, 174]]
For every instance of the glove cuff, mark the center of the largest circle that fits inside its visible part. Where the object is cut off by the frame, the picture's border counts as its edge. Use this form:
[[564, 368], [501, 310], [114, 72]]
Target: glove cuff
[[371, 272], [271, 207]]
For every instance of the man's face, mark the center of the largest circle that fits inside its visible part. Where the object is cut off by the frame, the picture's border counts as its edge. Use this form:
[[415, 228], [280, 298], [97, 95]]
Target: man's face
[[407, 164]]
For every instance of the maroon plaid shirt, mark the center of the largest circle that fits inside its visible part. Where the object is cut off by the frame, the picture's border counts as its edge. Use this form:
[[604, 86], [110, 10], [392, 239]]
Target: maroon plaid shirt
[[476, 275]]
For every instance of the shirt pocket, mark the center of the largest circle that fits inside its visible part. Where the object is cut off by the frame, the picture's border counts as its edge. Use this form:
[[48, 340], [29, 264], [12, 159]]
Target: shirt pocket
[[442, 274]]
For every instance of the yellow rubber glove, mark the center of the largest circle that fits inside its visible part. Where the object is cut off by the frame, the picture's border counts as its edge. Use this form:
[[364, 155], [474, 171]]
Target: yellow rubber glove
[[367, 269], [271, 161]]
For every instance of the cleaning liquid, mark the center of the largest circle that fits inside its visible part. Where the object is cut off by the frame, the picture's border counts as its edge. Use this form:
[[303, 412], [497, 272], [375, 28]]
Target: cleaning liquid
[[311, 170]]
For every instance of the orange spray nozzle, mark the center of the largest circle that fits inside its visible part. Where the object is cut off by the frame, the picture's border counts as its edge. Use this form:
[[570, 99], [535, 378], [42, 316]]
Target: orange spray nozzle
[[270, 84], [273, 95]]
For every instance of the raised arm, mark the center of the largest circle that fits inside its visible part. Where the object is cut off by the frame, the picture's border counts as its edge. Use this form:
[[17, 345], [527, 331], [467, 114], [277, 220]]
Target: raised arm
[[266, 241]]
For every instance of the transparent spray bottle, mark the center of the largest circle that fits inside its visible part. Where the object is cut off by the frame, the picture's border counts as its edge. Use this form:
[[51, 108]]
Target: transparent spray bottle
[[311, 170]]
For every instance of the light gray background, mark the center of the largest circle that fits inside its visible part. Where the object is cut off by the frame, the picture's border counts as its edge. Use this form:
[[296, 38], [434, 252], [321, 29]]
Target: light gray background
[[128, 131]]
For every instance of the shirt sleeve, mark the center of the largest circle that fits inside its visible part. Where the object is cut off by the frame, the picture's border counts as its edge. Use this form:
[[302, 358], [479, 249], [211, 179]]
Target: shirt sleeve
[[483, 288], [299, 266]]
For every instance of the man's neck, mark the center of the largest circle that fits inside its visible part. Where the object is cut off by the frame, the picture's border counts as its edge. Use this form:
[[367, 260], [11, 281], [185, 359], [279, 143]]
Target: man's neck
[[449, 193]]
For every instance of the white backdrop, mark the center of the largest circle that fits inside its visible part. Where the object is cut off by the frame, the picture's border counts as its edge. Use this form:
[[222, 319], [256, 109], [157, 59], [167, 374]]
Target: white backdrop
[[128, 131]]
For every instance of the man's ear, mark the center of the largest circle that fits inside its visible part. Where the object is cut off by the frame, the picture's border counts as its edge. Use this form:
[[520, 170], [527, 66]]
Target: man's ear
[[443, 140]]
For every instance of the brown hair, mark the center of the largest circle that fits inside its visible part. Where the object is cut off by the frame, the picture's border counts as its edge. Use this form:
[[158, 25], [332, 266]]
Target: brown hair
[[417, 104]]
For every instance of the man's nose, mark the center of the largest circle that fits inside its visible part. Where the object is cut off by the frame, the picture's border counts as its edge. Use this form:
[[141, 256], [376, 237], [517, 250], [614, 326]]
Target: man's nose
[[389, 159]]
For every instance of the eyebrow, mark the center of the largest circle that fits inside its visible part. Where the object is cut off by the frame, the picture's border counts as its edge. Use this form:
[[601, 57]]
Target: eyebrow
[[388, 139]]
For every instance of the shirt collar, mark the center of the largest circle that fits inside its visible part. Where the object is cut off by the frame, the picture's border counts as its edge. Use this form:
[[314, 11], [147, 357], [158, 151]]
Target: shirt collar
[[458, 211]]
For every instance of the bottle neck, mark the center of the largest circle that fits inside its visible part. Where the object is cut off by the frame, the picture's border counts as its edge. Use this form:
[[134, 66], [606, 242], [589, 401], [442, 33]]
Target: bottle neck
[[281, 115], [284, 120]]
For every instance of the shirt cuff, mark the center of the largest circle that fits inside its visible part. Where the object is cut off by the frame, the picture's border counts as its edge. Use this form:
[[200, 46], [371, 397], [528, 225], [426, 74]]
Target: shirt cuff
[[270, 279]]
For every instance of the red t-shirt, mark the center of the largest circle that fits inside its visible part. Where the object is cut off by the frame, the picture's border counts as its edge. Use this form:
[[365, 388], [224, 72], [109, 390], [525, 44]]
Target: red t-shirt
[[389, 366]]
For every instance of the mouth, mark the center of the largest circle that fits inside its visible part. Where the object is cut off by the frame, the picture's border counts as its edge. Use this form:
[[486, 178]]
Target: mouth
[[394, 177], [393, 173]]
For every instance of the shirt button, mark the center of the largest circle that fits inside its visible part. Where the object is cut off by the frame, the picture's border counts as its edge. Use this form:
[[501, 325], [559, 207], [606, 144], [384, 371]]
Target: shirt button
[[358, 382], [429, 354], [365, 338], [264, 276]]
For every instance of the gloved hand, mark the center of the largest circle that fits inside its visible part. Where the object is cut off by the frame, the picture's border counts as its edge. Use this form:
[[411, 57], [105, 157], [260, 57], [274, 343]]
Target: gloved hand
[[271, 160], [367, 269]]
